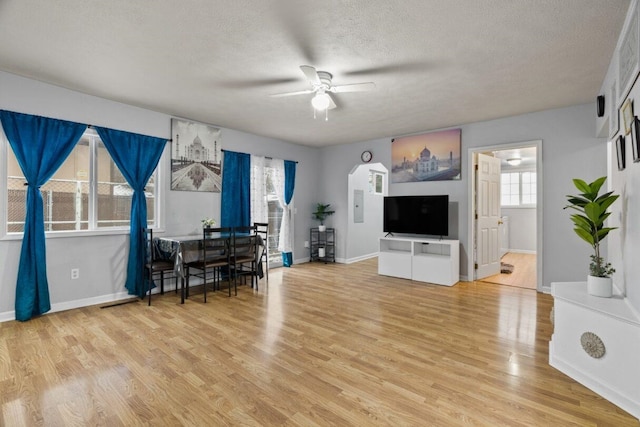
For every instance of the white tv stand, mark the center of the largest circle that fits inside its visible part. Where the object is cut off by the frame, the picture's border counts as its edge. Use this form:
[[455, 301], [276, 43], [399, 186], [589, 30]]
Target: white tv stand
[[425, 260]]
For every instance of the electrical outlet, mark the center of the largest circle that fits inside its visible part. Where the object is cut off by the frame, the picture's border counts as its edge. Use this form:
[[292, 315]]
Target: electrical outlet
[[306, 243], [75, 273]]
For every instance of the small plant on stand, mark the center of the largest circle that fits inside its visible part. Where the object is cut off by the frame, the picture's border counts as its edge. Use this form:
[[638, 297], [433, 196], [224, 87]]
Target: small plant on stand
[[321, 213], [589, 226]]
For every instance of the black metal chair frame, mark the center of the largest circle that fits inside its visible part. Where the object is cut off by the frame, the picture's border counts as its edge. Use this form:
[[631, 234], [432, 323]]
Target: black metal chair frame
[[216, 254], [153, 265], [262, 229], [245, 253]]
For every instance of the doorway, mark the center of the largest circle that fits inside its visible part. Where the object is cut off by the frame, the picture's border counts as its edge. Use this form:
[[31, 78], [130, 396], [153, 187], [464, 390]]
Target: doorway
[[520, 221], [367, 186]]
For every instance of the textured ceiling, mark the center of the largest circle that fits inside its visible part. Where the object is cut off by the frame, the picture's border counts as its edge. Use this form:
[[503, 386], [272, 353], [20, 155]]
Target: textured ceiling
[[435, 63]]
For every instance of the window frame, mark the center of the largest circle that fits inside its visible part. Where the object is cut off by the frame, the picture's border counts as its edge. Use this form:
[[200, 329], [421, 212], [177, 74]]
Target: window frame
[[520, 205], [275, 259], [159, 188], [373, 181]]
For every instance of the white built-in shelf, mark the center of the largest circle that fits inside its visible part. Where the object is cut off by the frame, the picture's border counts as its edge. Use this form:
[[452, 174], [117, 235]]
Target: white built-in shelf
[[575, 292], [615, 375]]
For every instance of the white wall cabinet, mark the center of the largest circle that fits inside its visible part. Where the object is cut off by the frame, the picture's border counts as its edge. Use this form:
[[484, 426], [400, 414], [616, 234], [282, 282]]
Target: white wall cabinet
[[425, 260]]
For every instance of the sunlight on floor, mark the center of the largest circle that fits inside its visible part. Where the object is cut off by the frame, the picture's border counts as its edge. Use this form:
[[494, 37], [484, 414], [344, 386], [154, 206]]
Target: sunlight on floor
[[517, 318], [275, 315]]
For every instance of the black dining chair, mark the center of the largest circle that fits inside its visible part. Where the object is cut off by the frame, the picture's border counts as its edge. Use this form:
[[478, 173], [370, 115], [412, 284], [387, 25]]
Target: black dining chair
[[214, 259], [262, 230], [245, 253], [153, 264]]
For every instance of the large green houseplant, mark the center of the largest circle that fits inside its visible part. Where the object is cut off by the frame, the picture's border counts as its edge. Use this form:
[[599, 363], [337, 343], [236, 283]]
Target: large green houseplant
[[592, 212], [321, 213]]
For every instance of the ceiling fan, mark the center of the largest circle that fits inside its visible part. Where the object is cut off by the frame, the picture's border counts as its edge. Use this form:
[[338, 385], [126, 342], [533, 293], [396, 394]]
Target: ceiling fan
[[321, 85]]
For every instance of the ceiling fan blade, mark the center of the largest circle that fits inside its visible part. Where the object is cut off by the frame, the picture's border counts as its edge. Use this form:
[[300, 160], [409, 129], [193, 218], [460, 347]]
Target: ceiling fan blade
[[296, 22], [391, 68], [301, 92], [248, 84], [311, 74], [332, 104], [356, 87]]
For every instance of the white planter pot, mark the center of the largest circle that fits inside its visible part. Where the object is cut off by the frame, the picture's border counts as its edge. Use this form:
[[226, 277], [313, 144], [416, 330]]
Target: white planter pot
[[600, 286], [322, 228], [321, 253]]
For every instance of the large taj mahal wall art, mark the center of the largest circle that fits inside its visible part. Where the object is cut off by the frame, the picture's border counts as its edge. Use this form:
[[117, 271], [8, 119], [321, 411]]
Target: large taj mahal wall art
[[196, 154], [433, 156]]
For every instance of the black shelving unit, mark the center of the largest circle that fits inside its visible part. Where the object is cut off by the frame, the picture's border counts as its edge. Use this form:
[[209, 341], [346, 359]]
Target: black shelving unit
[[322, 239]]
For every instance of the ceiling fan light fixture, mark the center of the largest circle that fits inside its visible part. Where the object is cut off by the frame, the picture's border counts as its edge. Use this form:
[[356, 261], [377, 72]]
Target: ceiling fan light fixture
[[514, 161], [321, 101]]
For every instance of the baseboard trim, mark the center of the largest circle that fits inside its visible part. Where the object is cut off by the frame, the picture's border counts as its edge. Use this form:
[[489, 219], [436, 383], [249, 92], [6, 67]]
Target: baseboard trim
[[361, 258], [594, 384], [69, 305], [521, 251]]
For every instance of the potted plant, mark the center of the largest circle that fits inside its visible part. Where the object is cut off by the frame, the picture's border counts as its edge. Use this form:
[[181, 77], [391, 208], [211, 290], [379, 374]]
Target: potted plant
[[589, 226], [208, 222], [321, 213]]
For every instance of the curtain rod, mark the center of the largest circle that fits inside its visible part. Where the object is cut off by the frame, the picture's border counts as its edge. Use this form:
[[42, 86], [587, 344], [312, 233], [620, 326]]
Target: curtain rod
[[168, 140], [270, 158]]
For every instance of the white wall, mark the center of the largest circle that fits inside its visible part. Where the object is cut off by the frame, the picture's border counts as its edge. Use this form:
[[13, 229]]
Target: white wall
[[568, 145], [624, 243], [522, 229], [102, 259]]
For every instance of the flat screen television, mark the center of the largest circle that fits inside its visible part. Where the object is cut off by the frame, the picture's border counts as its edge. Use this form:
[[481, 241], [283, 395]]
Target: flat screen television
[[417, 215]]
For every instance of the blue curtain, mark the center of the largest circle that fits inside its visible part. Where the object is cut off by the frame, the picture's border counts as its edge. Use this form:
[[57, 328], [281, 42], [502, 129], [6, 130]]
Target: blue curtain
[[137, 157], [40, 145], [289, 185], [236, 193]]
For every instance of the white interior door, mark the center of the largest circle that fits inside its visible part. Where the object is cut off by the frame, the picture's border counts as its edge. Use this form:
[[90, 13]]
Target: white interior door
[[487, 216]]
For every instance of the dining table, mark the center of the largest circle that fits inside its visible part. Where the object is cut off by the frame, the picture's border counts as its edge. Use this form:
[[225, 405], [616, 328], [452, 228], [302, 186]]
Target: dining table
[[184, 249]]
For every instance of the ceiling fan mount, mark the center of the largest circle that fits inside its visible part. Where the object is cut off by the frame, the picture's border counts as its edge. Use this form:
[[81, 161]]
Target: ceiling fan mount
[[325, 79]]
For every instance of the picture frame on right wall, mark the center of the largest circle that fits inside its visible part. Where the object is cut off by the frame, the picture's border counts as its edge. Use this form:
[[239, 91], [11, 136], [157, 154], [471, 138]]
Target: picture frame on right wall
[[635, 139], [620, 152], [613, 110], [627, 115], [629, 56]]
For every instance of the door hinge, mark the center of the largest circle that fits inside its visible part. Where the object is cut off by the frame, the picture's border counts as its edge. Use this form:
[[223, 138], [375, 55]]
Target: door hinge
[[475, 266], [476, 166], [476, 216]]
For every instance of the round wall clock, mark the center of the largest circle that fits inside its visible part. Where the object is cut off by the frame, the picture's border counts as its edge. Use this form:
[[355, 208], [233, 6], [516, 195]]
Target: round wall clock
[[366, 156]]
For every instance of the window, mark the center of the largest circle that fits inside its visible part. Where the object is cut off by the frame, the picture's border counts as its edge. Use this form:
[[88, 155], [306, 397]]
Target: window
[[275, 219], [376, 182], [518, 188], [87, 192]]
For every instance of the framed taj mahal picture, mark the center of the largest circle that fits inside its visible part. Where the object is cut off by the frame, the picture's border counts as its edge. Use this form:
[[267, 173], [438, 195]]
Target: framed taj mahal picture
[[196, 155], [433, 156]]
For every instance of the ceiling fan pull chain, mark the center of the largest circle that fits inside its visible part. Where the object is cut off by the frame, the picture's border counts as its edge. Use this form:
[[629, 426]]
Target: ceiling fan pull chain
[[326, 115]]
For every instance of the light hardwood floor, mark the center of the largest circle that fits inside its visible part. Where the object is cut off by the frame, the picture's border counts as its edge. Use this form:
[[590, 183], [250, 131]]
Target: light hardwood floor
[[524, 272], [323, 345]]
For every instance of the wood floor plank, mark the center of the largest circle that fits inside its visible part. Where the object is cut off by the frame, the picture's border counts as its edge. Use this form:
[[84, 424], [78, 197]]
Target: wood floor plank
[[523, 274], [321, 345]]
